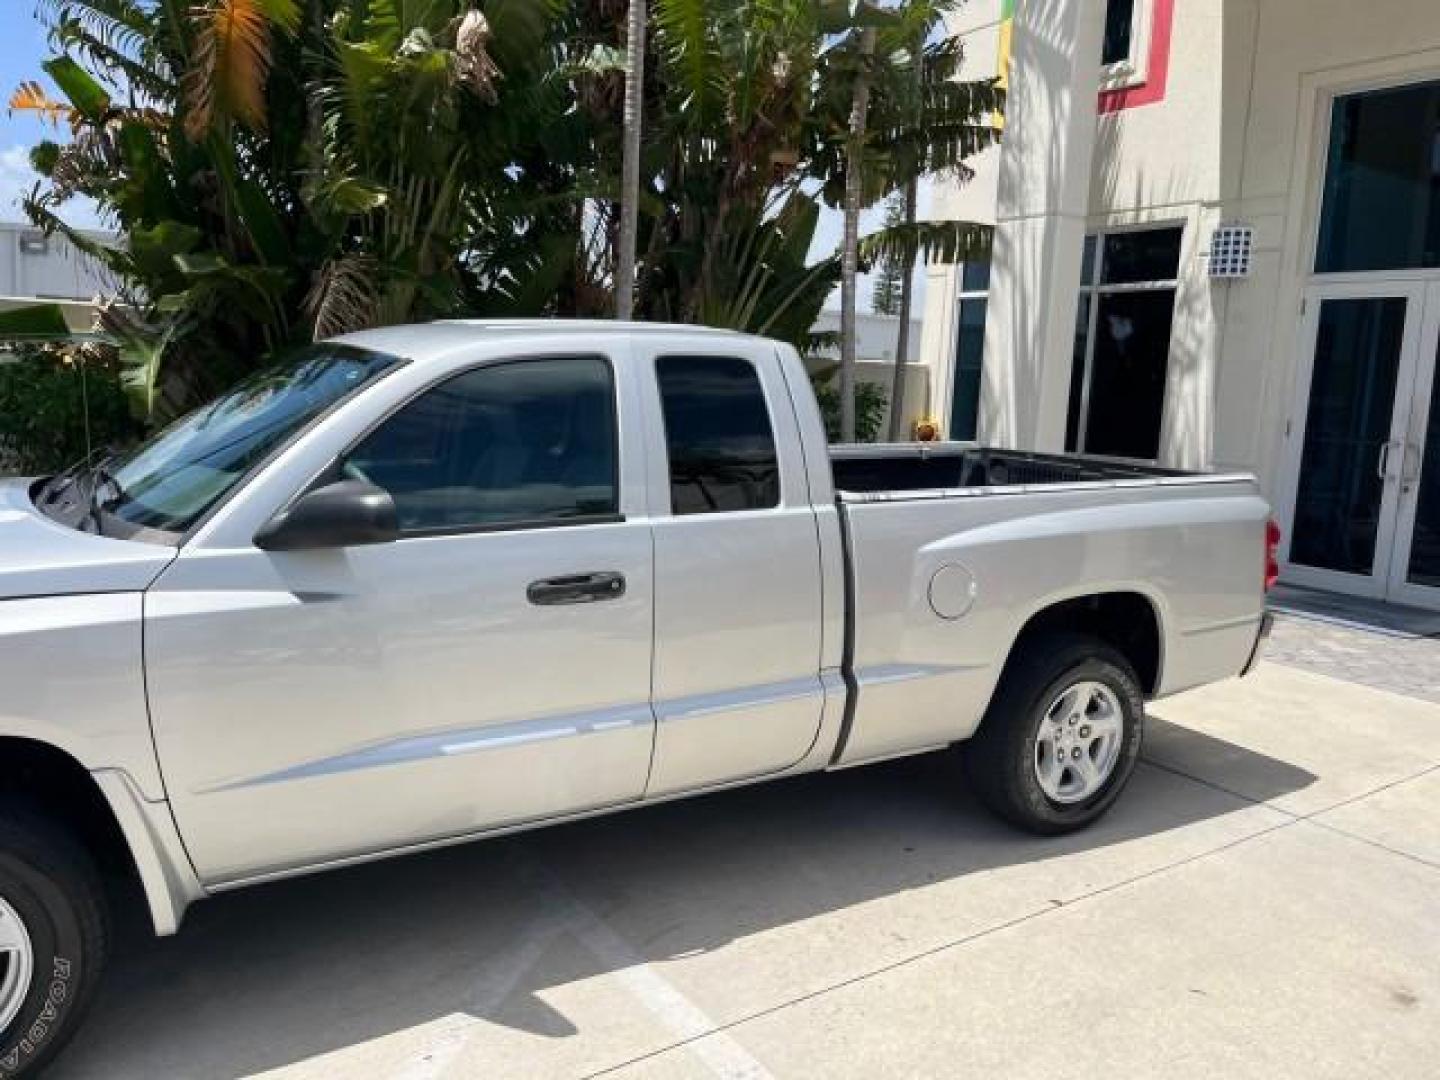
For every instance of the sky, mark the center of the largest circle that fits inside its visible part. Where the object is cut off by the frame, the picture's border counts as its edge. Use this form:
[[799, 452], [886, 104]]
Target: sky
[[20, 57], [22, 49]]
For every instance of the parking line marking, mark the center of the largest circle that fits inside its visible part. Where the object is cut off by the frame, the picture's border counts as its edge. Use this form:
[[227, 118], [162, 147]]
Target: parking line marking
[[960, 942], [716, 1048], [563, 913]]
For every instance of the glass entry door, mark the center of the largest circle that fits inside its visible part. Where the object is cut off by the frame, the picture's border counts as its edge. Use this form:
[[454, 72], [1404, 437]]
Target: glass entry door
[[1415, 569], [1365, 446]]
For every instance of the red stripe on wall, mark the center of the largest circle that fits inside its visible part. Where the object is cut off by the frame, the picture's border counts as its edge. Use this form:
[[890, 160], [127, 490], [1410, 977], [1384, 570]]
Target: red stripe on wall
[[1157, 73]]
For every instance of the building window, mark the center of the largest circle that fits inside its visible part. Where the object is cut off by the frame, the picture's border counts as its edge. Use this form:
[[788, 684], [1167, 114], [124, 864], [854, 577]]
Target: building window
[[1120, 35], [1122, 343], [1382, 185], [969, 351]]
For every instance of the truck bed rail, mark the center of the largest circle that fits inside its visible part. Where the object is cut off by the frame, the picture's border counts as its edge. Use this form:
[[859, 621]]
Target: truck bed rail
[[909, 470]]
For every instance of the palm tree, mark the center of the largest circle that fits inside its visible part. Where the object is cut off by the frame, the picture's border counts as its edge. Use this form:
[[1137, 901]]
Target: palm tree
[[914, 125], [902, 335], [907, 266], [630, 166], [925, 120], [850, 245]]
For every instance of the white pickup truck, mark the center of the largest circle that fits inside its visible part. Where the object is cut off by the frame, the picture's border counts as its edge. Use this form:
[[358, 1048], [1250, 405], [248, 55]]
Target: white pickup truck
[[431, 583]]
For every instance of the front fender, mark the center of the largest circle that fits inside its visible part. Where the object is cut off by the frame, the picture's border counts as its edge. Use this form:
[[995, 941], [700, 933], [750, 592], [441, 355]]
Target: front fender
[[72, 669]]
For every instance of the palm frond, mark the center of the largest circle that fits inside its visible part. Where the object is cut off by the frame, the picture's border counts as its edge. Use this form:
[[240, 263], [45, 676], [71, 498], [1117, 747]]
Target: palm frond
[[30, 96], [932, 241], [935, 148], [116, 32], [115, 260], [473, 64], [684, 34], [232, 60], [957, 101], [73, 168], [343, 296], [122, 24], [149, 75]]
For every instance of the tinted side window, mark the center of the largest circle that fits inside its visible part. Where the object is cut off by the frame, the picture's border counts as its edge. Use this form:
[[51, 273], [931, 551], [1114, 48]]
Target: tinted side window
[[517, 442], [717, 429]]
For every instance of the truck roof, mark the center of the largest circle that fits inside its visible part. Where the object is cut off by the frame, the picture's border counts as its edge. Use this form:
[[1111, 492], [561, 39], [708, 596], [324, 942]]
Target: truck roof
[[420, 341]]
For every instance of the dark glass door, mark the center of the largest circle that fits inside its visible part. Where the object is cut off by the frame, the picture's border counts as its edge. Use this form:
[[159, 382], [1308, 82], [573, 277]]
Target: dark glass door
[[1420, 481], [1344, 503], [969, 367]]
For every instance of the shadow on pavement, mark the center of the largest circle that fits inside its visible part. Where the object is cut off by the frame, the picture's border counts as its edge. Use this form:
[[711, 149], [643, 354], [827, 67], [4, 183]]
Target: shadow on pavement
[[273, 975]]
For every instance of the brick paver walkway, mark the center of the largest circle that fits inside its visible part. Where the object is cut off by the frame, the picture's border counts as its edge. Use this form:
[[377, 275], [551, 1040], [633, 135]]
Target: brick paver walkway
[[1402, 665]]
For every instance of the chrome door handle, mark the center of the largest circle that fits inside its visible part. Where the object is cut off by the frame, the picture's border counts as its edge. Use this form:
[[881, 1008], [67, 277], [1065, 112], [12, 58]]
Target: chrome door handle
[[577, 588], [1382, 467]]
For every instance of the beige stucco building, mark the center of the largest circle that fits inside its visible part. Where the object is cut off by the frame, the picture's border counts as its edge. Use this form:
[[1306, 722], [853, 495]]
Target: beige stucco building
[[1217, 245]]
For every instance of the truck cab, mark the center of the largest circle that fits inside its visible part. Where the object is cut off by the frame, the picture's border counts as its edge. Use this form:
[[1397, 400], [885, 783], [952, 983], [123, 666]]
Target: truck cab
[[605, 584]]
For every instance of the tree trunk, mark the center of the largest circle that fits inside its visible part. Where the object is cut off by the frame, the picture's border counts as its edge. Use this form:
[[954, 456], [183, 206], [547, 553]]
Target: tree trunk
[[907, 278], [850, 254], [902, 337], [314, 113], [630, 161]]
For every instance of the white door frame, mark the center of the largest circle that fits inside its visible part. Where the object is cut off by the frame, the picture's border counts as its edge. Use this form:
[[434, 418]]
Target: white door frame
[[1412, 460], [1410, 413]]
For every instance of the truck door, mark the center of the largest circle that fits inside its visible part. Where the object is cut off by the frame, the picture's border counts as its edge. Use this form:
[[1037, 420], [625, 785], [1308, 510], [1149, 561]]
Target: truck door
[[490, 667], [736, 691]]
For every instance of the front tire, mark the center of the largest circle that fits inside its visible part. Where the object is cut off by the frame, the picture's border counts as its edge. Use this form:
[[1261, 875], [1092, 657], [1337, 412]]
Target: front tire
[[1061, 737], [53, 940]]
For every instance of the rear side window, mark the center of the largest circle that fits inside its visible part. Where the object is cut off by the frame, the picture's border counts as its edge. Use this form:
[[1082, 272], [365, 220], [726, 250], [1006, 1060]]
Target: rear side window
[[719, 436], [528, 442]]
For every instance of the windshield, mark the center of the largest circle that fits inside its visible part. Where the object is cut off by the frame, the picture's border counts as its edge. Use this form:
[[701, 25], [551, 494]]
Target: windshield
[[170, 481]]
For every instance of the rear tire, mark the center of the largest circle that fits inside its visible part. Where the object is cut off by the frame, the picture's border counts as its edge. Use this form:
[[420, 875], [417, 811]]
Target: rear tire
[[1061, 737], [53, 940]]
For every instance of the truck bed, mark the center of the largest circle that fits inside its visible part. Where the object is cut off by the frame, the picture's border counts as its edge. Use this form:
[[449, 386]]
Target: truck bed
[[952, 549], [952, 467]]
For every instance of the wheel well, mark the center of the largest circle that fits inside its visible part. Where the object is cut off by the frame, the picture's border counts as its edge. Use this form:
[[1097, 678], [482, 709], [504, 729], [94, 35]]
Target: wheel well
[[52, 783], [1126, 621]]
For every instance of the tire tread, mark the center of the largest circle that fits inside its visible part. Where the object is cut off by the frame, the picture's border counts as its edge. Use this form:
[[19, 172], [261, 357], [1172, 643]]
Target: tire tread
[[991, 754], [51, 851]]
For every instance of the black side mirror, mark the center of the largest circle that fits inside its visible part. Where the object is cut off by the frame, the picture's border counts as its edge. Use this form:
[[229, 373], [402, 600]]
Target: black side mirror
[[342, 514]]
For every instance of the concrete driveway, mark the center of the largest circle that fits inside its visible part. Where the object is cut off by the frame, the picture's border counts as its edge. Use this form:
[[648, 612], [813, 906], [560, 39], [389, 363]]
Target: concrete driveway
[[1265, 902]]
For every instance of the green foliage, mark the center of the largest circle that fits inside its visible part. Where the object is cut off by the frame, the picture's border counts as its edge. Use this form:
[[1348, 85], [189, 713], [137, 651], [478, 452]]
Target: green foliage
[[870, 402], [933, 241], [34, 321], [890, 273], [283, 171], [278, 171], [46, 392]]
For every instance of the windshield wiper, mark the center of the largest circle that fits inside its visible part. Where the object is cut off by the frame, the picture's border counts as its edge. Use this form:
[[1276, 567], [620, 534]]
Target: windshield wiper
[[64, 480], [102, 477]]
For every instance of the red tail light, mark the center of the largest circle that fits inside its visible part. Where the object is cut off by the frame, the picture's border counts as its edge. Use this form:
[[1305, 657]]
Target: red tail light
[[1272, 554]]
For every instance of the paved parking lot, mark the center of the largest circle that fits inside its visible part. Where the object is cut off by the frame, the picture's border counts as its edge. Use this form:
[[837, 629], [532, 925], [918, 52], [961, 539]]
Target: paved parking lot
[[1265, 902]]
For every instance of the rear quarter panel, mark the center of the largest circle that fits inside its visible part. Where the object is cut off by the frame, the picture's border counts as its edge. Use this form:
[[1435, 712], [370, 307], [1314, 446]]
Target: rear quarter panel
[[1193, 549]]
